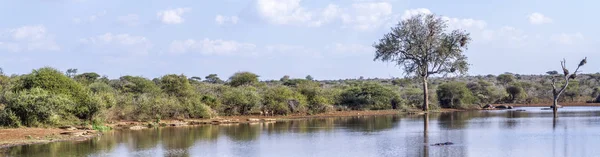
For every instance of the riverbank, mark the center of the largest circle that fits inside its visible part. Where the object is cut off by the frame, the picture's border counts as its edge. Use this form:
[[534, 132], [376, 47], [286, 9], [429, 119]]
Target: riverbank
[[24, 136]]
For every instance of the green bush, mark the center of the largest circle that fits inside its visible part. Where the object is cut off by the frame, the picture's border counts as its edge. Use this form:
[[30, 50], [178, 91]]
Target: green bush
[[9, 119], [240, 100], [276, 98], [100, 87], [56, 83], [370, 96], [135, 84], [454, 95], [176, 85], [37, 107], [315, 97], [243, 78]]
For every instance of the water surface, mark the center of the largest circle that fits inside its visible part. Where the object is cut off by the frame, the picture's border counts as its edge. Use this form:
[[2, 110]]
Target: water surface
[[476, 133]]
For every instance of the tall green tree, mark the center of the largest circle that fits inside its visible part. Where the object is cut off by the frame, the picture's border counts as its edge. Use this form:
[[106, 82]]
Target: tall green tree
[[213, 78], [505, 79], [423, 47], [243, 78], [308, 77]]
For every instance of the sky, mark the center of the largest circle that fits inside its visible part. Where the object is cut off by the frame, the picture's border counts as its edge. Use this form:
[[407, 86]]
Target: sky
[[327, 39]]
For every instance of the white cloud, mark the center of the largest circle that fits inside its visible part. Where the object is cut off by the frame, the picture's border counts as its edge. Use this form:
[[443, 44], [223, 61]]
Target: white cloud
[[568, 39], [360, 16], [412, 12], [221, 20], [120, 42], [172, 16], [89, 19], [129, 19], [538, 18], [211, 47], [29, 38], [284, 12], [367, 16]]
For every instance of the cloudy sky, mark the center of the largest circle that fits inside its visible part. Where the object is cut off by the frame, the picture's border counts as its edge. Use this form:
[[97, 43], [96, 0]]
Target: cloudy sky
[[328, 39]]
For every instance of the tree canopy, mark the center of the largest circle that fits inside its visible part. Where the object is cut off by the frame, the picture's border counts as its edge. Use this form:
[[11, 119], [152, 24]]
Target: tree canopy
[[422, 46]]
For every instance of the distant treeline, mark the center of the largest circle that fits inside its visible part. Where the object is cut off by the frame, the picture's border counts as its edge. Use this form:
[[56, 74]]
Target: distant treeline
[[49, 97]]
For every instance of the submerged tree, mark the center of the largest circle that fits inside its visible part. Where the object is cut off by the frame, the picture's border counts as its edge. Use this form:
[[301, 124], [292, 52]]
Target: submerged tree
[[423, 47], [567, 76]]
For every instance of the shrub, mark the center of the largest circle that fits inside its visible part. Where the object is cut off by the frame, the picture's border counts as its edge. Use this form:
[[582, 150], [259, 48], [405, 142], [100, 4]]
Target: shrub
[[454, 95], [315, 96], [370, 96], [176, 85], [9, 119], [275, 99], [37, 107], [243, 78], [135, 84], [240, 100], [56, 83]]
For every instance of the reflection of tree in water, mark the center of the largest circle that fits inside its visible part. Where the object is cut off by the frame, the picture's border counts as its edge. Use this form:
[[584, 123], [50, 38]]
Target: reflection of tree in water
[[299, 126], [178, 140], [242, 132], [82, 148], [370, 123], [455, 120]]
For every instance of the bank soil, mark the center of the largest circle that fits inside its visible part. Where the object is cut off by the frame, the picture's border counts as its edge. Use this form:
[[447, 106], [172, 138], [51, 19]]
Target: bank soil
[[24, 136]]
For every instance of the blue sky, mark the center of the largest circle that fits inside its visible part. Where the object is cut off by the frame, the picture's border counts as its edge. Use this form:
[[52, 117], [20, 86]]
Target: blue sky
[[328, 39]]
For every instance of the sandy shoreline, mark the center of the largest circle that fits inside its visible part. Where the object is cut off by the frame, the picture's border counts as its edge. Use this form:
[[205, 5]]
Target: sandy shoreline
[[25, 136]]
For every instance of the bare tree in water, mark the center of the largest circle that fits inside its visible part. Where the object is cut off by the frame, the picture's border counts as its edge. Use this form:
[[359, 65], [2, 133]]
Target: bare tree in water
[[566, 76], [422, 46]]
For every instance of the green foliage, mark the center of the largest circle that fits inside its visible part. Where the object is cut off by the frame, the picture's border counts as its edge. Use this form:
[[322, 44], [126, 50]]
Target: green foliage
[[413, 97], [295, 82], [240, 100], [100, 87], [284, 78], [135, 84], [485, 92], [9, 118], [370, 96], [316, 97], [214, 79], [308, 77], [37, 107], [243, 78], [87, 78], [505, 79], [54, 82], [454, 95], [515, 92], [276, 99], [176, 85]]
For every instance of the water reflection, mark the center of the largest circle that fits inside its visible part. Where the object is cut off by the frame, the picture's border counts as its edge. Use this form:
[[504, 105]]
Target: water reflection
[[479, 133]]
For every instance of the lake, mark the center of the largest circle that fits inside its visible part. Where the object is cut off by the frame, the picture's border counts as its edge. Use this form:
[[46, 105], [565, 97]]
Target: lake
[[500, 133]]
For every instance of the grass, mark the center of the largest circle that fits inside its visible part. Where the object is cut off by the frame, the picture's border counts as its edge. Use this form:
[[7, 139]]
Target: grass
[[101, 128]]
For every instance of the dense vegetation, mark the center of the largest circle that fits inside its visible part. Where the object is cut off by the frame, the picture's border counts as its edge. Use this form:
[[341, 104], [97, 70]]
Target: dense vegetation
[[49, 97]]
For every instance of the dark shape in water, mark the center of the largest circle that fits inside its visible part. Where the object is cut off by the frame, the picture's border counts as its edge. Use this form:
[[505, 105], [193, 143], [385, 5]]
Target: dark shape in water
[[443, 144]]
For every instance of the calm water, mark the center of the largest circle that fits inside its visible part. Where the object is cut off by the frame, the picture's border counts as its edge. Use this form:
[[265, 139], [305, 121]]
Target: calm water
[[476, 134]]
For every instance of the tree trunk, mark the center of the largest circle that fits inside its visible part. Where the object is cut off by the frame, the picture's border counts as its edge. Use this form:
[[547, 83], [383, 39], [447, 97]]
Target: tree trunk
[[554, 108], [425, 95]]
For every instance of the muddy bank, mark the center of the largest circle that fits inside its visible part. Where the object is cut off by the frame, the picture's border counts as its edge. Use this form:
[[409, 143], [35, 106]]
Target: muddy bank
[[25, 136]]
